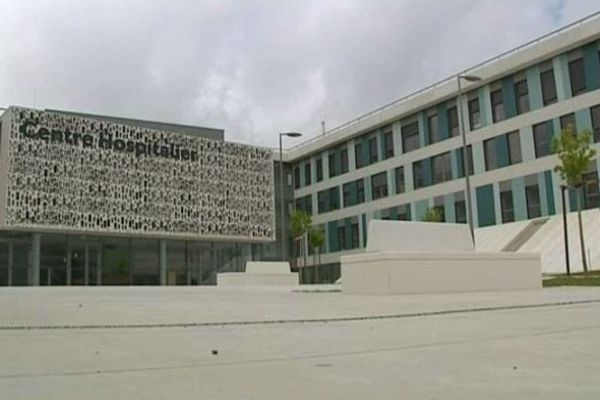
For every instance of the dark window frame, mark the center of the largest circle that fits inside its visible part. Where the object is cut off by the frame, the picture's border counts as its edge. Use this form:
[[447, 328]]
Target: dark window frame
[[410, 135], [548, 84], [577, 76], [497, 102], [379, 190], [522, 96]]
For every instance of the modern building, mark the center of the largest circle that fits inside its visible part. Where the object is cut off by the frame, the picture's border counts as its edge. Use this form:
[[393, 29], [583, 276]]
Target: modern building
[[91, 200], [404, 158]]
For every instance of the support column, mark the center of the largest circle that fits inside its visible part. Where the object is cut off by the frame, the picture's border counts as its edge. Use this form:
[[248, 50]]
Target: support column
[[99, 266], [86, 265], [10, 264], [163, 262], [69, 265], [34, 278]]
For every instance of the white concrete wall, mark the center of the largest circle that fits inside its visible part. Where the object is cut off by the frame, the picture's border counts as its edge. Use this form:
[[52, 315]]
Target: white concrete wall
[[268, 267], [409, 273], [242, 279]]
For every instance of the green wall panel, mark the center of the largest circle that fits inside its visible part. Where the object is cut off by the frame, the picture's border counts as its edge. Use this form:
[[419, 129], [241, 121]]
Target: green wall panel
[[519, 201], [423, 139], [442, 114], [449, 208], [549, 193], [501, 144], [534, 87], [486, 214], [583, 119], [332, 236], [421, 208], [591, 65], [508, 94]]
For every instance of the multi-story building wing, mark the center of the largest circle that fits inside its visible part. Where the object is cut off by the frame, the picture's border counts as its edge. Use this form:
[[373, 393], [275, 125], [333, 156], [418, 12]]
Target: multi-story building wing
[[407, 157]]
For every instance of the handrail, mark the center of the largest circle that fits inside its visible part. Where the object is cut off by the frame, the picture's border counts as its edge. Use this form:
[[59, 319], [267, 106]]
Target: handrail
[[446, 80]]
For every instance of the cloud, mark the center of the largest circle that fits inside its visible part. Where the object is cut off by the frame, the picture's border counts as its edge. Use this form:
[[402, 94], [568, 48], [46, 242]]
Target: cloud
[[254, 68]]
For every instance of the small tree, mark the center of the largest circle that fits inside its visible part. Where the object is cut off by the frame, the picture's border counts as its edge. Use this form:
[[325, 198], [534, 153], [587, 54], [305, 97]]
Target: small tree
[[317, 240], [575, 155], [433, 214], [301, 222]]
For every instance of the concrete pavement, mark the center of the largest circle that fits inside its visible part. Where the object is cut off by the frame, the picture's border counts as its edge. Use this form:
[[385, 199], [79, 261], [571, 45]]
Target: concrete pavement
[[519, 345]]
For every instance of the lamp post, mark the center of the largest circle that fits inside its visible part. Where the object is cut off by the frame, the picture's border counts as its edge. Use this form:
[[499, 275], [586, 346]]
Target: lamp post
[[281, 186], [468, 78]]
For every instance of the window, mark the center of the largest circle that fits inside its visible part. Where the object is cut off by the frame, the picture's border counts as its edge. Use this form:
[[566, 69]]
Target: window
[[507, 207], [353, 193], [319, 169], [568, 120], [432, 125], [514, 148], [453, 121], [400, 184], [489, 149], [460, 208], [341, 236], [497, 105], [532, 195], [404, 212], [379, 187], [419, 174], [334, 198], [372, 150], [522, 96], [307, 172], [410, 137], [344, 160], [474, 114], [296, 177], [388, 145], [331, 164], [440, 209], [591, 190], [442, 168], [577, 76], [360, 191], [304, 204], [548, 87], [355, 235], [541, 139], [386, 214], [595, 111], [359, 160], [347, 194], [322, 201], [461, 172]]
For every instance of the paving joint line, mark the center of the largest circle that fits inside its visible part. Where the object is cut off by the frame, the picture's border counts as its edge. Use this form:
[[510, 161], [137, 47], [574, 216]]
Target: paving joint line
[[296, 321]]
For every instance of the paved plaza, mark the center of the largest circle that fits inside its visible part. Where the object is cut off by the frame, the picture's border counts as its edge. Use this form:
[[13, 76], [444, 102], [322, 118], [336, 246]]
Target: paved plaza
[[260, 343]]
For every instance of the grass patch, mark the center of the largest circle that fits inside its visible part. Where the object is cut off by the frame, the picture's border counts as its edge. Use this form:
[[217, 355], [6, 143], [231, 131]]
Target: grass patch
[[578, 279]]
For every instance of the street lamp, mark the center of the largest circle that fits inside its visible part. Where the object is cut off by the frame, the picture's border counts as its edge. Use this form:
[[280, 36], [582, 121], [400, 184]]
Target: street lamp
[[468, 78], [281, 193]]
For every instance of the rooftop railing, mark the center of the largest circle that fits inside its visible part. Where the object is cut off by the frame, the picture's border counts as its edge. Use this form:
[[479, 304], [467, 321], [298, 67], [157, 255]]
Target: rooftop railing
[[447, 80]]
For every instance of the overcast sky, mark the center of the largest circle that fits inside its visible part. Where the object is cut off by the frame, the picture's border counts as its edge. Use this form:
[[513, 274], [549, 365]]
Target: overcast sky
[[254, 68]]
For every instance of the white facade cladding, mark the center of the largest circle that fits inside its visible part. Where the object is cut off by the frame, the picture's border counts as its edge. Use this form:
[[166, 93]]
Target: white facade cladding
[[74, 174]]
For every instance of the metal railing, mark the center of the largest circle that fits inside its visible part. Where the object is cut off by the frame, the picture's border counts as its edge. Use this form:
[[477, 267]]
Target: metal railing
[[447, 80]]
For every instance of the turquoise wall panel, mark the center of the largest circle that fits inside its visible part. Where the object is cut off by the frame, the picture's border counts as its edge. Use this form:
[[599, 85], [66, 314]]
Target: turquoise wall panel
[[549, 193], [421, 208], [478, 158], [501, 143], [485, 106], [572, 200], [442, 114], [423, 140], [534, 87], [508, 94], [394, 213], [427, 172], [348, 224], [455, 159], [583, 119], [561, 76], [486, 214], [527, 145], [332, 236], [591, 65], [543, 195], [519, 200], [449, 208]]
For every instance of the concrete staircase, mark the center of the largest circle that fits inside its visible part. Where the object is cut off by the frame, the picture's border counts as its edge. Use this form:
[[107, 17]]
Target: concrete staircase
[[545, 236]]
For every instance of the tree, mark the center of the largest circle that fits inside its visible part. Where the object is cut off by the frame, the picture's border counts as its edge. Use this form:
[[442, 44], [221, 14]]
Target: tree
[[433, 214], [575, 155], [301, 223], [317, 240]]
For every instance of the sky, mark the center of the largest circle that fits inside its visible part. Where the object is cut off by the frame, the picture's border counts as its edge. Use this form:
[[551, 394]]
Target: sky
[[253, 67]]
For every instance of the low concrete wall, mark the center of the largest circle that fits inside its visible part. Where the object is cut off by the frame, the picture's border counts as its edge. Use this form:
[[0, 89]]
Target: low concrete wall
[[409, 273], [243, 279], [260, 273]]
